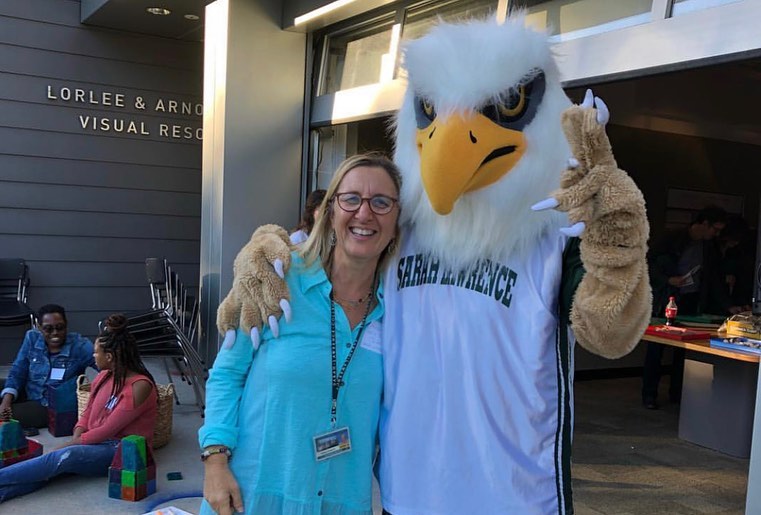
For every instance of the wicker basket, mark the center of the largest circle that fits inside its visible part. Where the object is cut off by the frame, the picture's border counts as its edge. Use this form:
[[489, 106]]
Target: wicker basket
[[163, 430]]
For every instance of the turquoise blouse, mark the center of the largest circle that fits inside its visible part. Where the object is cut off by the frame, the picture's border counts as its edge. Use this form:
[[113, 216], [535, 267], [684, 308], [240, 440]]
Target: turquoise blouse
[[268, 405]]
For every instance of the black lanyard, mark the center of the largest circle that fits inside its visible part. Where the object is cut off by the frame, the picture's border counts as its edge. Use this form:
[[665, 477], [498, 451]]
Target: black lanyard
[[338, 378]]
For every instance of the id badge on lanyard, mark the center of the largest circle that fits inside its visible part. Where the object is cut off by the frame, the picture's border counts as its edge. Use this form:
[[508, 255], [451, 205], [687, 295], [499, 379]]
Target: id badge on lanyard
[[331, 444]]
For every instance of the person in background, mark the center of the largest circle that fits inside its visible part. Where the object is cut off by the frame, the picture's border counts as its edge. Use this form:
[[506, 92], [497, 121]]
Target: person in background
[[49, 356], [123, 401], [279, 416], [737, 251], [308, 217], [685, 264]]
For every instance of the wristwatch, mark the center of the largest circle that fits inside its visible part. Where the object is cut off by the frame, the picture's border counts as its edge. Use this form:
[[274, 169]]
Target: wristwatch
[[216, 449]]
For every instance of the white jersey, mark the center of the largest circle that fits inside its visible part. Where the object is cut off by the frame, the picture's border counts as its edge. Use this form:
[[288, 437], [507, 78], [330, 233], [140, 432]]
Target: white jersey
[[476, 414]]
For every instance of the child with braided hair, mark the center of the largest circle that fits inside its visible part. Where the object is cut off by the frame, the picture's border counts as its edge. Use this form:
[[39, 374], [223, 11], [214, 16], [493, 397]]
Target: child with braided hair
[[123, 402]]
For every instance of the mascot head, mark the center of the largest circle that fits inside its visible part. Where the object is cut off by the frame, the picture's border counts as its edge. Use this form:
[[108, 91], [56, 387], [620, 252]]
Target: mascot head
[[478, 139]]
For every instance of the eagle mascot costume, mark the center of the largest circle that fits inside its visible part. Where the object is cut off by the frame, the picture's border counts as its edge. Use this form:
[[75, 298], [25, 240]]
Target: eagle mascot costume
[[486, 295]]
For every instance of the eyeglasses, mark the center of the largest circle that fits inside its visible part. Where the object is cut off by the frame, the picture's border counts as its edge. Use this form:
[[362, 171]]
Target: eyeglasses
[[47, 329], [352, 202]]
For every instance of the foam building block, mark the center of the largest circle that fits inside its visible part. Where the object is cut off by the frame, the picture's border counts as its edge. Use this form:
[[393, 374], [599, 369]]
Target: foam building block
[[63, 396], [62, 408], [132, 474], [61, 423], [14, 446]]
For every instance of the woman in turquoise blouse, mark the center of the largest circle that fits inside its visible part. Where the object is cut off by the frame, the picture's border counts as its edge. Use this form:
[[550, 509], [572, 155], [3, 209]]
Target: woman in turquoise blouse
[[291, 427]]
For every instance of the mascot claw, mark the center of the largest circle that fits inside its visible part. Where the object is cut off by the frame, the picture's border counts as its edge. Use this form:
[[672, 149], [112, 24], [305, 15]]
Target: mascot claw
[[603, 114], [286, 307], [255, 338], [229, 340], [274, 326], [278, 265], [588, 100], [575, 230], [548, 203]]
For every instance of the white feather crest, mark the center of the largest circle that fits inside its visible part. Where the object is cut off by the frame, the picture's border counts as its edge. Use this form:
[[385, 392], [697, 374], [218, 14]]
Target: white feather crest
[[459, 68]]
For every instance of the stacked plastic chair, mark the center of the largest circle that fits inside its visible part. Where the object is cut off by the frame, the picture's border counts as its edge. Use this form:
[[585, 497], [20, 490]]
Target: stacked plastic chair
[[169, 330], [14, 280]]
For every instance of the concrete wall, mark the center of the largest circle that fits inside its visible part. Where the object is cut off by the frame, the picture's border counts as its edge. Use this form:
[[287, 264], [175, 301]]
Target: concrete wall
[[86, 201], [254, 121]]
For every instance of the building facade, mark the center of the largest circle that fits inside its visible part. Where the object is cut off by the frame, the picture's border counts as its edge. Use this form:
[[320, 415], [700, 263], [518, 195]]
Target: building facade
[[100, 159]]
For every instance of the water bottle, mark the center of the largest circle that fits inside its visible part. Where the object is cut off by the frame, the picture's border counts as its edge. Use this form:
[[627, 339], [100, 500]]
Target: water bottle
[[671, 310]]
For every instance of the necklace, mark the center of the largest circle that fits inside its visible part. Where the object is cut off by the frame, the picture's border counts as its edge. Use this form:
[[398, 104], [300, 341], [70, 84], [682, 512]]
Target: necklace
[[353, 303]]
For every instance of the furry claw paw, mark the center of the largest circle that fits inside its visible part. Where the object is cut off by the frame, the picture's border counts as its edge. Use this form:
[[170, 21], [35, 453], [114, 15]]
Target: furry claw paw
[[603, 114], [229, 340], [548, 203], [286, 307], [575, 230], [278, 265], [274, 326], [255, 341]]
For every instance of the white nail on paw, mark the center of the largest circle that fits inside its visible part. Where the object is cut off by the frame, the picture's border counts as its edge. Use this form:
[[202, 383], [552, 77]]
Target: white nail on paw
[[576, 229], [548, 203]]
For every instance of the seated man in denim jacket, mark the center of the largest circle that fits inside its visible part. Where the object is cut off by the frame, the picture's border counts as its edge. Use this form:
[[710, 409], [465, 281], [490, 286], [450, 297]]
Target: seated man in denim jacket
[[48, 356]]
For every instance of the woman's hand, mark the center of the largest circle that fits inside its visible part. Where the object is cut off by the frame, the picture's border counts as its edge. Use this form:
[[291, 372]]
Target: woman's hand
[[219, 486], [5, 404], [74, 441]]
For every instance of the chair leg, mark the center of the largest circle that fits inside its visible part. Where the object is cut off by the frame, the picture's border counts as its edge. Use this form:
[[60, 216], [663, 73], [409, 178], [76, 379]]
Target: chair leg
[[171, 381]]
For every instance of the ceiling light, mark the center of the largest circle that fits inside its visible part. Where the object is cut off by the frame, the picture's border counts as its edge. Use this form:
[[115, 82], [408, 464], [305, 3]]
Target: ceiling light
[[160, 11], [191, 17]]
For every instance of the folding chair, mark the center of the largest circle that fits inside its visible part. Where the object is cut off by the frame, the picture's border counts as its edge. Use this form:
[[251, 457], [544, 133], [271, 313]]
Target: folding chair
[[14, 280], [169, 329]]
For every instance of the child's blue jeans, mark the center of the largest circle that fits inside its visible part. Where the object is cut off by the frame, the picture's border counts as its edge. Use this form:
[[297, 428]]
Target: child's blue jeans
[[30, 475]]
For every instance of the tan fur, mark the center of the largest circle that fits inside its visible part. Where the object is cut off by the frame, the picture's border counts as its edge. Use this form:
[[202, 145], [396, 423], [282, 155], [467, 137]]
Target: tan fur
[[612, 305], [256, 290]]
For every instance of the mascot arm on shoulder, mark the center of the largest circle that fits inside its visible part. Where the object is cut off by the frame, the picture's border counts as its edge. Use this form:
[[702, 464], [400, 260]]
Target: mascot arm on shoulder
[[259, 292], [612, 304]]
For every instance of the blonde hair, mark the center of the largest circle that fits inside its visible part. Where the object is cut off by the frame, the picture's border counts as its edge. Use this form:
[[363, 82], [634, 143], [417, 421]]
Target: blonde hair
[[318, 246]]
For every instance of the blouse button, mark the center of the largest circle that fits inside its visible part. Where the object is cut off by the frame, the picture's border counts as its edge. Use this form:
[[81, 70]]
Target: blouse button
[[348, 345], [319, 493]]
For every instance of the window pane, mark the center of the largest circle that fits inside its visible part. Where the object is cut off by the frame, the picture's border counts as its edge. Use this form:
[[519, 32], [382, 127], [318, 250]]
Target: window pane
[[577, 18], [359, 57], [419, 20], [686, 6]]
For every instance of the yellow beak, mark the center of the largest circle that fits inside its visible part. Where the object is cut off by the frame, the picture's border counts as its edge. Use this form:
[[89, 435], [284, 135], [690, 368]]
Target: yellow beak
[[462, 154]]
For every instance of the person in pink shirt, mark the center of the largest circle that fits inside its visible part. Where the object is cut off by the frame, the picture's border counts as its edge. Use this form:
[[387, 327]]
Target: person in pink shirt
[[123, 401]]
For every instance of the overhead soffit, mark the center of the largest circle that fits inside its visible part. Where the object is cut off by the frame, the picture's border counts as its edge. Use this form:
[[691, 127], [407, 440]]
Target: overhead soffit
[[651, 100], [131, 16]]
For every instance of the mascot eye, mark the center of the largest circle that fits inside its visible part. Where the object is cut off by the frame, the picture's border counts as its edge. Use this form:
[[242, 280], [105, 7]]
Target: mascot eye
[[427, 108], [517, 106], [514, 104], [425, 113]]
